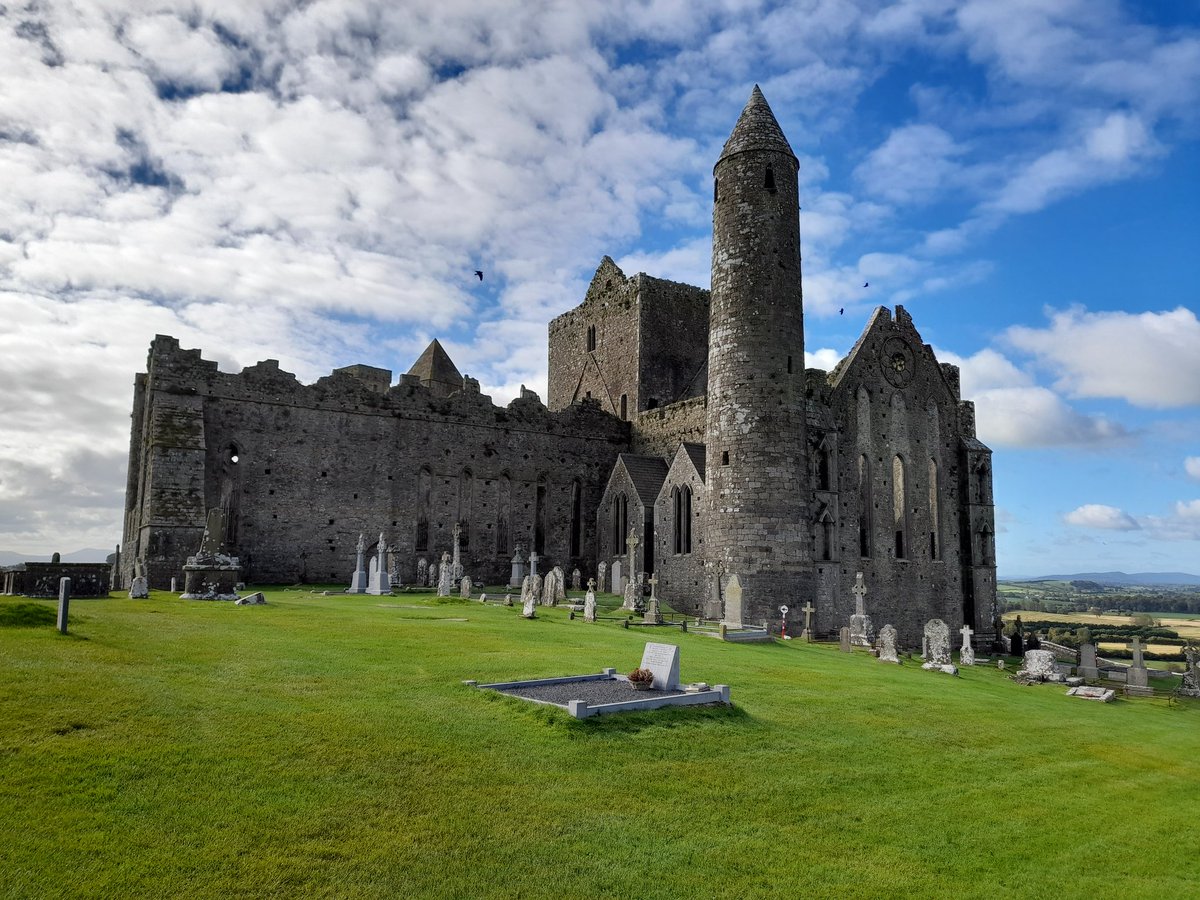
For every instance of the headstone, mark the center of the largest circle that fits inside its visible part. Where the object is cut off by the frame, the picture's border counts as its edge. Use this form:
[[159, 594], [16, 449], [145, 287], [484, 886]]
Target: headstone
[[422, 570], [445, 582], [533, 561], [634, 595], [844, 639], [528, 597], [862, 632], [517, 574], [456, 569], [139, 588], [483, 598], [713, 607], [733, 602], [966, 654], [548, 590], [559, 594], [174, 590], [1038, 664], [1137, 677], [576, 575], [431, 575], [508, 601], [1087, 663], [652, 616], [663, 661], [255, 599], [937, 643], [379, 583], [1000, 665], [465, 587], [589, 606], [618, 583], [64, 603], [808, 611], [600, 570], [395, 579], [887, 645], [358, 581]]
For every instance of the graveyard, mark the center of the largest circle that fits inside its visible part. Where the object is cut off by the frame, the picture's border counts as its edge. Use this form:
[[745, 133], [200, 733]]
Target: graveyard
[[327, 745]]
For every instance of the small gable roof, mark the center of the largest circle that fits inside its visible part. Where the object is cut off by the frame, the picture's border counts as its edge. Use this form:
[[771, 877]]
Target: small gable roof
[[437, 371], [695, 453], [647, 474]]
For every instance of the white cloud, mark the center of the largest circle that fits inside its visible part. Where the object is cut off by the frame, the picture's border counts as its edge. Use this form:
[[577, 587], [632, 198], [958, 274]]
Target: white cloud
[[1148, 359], [1182, 524], [1191, 465], [1037, 417], [1097, 515], [914, 165]]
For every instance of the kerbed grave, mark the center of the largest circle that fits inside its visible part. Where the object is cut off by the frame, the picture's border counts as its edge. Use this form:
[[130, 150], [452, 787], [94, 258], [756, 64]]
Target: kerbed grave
[[607, 692]]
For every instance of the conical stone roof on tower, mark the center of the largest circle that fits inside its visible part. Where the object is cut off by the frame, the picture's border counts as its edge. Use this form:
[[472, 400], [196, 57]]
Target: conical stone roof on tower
[[757, 487]]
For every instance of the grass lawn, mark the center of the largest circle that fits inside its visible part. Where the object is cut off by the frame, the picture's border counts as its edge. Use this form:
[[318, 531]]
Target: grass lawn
[[325, 746]]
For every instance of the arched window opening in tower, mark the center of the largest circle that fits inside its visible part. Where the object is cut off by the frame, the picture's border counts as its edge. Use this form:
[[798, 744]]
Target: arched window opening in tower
[[591, 338], [624, 407], [716, 190], [769, 180]]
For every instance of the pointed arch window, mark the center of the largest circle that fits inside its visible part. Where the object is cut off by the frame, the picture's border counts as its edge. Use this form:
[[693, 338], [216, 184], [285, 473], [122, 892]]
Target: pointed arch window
[[466, 489], [899, 518], [503, 514], [591, 338], [620, 523], [935, 518], [681, 498], [865, 499], [825, 535], [576, 517], [424, 491], [539, 516]]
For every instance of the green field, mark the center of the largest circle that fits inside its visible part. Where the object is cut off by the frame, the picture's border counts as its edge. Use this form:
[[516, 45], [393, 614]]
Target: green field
[[326, 747]]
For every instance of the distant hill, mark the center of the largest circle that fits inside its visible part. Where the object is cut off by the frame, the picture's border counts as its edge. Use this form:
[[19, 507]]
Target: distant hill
[[1120, 578], [87, 555]]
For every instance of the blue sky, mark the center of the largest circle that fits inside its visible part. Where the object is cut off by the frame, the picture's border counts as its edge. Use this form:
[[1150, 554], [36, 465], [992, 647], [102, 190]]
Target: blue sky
[[317, 183]]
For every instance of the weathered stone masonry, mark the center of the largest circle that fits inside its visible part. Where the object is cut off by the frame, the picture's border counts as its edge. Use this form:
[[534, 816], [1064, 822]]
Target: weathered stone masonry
[[684, 416]]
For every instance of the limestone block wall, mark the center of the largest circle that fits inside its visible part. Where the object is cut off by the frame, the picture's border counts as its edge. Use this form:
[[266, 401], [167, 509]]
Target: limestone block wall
[[302, 470], [659, 432], [679, 551]]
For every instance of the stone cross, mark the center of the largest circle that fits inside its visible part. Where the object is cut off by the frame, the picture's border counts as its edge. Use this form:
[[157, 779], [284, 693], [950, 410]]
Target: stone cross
[[64, 603], [860, 592], [533, 561], [653, 583], [362, 547], [808, 610], [601, 569], [631, 542], [1135, 646], [966, 635], [966, 654], [591, 584]]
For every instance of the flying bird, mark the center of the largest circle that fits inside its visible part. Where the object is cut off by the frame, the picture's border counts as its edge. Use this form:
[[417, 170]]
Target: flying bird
[[866, 284], [842, 311], [479, 274]]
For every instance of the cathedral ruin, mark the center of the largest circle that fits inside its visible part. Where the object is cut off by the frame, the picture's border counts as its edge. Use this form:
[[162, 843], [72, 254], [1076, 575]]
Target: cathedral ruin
[[680, 416]]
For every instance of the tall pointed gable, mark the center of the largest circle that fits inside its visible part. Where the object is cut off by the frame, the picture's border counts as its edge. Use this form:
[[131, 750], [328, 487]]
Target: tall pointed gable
[[437, 371], [756, 129]]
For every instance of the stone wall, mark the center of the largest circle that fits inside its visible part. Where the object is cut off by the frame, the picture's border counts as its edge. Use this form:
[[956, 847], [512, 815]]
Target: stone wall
[[302, 470], [659, 432], [34, 579]]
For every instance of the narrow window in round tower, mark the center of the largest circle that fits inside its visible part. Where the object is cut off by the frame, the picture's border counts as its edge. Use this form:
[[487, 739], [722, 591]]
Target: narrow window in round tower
[[769, 180]]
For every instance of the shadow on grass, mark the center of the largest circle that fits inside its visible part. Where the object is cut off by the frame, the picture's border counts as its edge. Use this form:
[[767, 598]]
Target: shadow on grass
[[559, 719], [26, 615]]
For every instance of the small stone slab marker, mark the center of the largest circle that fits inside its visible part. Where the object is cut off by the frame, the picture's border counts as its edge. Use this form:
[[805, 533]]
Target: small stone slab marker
[[64, 603]]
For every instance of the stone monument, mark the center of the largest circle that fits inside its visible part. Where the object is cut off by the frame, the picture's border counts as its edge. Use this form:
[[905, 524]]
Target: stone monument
[[1038, 665], [1190, 687], [64, 603], [862, 632], [1137, 679], [966, 653], [445, 579], [808, 611], [529, 596], [887, 645], [937, 643], [733, 602], [379, 582], [465, 587], [600, 571], [456, 569], [212, 573], [358, 581], [560, 586], [422, 570], [652, 616], [517, 575], [576, 575], [589, 602], [844, 639], [139, 588], [663, 661], [1087, 663], [533, 561]]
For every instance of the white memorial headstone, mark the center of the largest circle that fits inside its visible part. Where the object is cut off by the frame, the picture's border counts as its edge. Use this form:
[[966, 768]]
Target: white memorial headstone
[[663, 661]]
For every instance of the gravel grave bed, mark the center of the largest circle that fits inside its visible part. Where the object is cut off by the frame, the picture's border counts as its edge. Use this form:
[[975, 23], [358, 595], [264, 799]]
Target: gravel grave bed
[[594, 693]]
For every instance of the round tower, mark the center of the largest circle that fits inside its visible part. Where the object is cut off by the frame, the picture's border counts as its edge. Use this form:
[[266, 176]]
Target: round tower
[[757, 484]]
